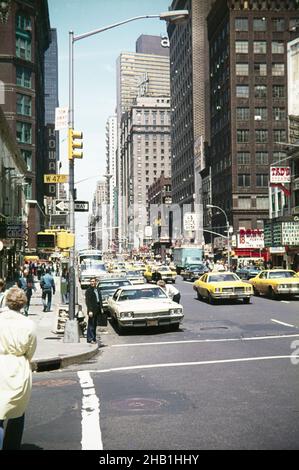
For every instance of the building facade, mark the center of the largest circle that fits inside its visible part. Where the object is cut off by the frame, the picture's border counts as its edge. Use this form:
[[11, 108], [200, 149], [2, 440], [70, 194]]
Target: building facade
[[145, 155], [97, 223], [24, 38], [111, 170], [248, 97]]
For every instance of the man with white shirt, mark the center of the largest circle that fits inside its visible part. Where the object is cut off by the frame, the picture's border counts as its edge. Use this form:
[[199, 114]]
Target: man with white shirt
[[172, 292]]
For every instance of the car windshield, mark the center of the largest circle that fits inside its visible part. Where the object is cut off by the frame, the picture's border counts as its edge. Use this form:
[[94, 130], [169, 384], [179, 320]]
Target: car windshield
[[136, 294], [281, 274], [196, 267], [113, 285], [93, 265], [223, 278], [133, 273], [164, 268]]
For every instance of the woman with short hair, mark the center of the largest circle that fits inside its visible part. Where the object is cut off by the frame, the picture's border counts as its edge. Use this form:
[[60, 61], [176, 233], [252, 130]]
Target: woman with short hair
[[17, 346]]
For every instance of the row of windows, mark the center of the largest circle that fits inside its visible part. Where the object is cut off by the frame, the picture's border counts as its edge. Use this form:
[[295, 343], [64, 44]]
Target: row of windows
[[259, 47], [261, 158], [260, 114], [261, 135], [260, 91], [260, 203], [262, 24], [278, 69], [244, 180]]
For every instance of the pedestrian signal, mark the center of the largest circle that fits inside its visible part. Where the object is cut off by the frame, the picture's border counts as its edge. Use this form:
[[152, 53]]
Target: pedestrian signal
[[45, 240]]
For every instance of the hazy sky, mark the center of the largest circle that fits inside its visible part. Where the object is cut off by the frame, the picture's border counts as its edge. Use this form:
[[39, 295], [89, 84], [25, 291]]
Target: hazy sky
[[95, 76]]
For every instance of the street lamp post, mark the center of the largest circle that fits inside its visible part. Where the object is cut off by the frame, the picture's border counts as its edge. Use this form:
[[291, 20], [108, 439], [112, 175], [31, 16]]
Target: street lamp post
[[228, 230], [175, 17]]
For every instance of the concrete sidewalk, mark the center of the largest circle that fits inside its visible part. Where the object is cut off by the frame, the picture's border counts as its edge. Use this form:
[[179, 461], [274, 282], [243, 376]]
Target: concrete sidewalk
[[52, 353]]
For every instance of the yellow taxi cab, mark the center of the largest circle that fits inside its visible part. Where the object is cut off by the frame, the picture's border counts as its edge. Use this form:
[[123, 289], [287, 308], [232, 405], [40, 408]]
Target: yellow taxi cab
[[155, 273], [274, 282], [222, 285]]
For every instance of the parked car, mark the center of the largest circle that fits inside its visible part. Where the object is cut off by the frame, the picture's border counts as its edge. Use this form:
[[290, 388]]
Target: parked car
[[193, 272], [222, 285], [142, 306], [89, 271], [248, 272], [108, 286], [275, 282]]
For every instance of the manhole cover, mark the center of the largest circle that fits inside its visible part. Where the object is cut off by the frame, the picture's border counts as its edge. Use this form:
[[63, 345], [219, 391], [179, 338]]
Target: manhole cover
[[138, 404], [54, 383]]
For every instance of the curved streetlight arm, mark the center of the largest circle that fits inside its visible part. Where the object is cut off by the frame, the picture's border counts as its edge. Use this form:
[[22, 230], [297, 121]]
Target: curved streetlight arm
[[217, 207]]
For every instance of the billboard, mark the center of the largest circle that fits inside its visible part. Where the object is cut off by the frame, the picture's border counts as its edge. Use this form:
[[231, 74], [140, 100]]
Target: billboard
[[279, 174]]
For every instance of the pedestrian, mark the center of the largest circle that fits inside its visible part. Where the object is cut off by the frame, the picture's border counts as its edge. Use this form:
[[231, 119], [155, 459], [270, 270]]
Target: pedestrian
[[17, 346], [94, 306], [156, 276], [2, 293], [26, 283], [64, 286], [48, 285], [172, 292]]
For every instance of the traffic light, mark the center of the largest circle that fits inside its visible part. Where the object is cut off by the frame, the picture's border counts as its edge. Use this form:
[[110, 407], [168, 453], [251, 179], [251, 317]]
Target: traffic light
[[46, 240], [73, 137], [65, 240]]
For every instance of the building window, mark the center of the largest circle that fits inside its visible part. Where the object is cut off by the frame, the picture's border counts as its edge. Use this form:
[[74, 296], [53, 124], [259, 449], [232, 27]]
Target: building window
[[262, 203], [261, 136], [260, 114], [24, 77], [261, 158], [242, 69], [241, 24], [279, 114], [242, 91], [278, 91], [294, 23], [278, 156], [27, 156], [278, 24], [242, 135], [28, 189], [280, 135], [23, 48], [260, 91], [277, 70], [260, 69], [241, 47], [243, 114], [243, 158], [262, 180], [244, 202], [259, 24], [277, 47], [243, 180], [24, 105], [24, 132], [259, 47]]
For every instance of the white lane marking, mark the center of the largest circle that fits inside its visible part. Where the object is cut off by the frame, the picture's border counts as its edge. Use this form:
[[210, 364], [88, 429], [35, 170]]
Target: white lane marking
[[223, 340], [285, 301], [282, 323], [199, 363], [91, 431]]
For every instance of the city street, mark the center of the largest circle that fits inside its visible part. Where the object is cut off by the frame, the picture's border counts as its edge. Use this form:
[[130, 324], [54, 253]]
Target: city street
[[226, 380]]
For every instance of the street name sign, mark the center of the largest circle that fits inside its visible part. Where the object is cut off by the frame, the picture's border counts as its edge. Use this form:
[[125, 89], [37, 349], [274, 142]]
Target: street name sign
[[56, 179], [81, 206]]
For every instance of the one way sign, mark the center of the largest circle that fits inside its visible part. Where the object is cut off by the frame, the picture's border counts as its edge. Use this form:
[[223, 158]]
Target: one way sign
[[61, 206], [81, 206]]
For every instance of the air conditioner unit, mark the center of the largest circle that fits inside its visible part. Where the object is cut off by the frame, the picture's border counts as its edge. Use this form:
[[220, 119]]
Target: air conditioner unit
[[257, 118]]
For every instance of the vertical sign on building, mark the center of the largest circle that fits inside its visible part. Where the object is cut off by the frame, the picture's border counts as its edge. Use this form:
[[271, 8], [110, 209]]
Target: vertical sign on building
[[293, 77], [50, 166]]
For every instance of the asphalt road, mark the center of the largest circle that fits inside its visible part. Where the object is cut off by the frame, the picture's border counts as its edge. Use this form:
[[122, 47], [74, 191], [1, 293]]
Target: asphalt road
[[226, 380]]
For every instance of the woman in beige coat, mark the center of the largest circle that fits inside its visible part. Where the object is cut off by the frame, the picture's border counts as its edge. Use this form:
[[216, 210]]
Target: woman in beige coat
[[17, 346]]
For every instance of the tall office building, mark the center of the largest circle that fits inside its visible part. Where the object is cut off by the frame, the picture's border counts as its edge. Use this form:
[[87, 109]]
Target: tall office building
[[24, 38], [249, 125], [189, 71], [147, 44], [111, 146], [138, 75]]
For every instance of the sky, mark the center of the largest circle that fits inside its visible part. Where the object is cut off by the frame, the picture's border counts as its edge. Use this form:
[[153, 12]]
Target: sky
[[95, 77]]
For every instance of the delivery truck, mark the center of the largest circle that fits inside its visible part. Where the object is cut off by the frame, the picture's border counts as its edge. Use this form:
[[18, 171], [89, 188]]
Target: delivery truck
[[185, 256]]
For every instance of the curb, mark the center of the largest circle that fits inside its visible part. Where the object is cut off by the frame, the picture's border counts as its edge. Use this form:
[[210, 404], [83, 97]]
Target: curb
[[59, 362]]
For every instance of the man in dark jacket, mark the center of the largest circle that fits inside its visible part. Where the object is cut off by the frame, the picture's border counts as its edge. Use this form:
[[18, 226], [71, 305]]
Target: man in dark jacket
[[94, 306]]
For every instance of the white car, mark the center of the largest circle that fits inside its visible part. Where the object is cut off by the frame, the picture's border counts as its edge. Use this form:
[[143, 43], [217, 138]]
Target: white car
[[144, 305]]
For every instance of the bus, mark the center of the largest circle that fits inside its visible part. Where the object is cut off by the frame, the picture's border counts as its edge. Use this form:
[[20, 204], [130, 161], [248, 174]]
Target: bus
[[89, 255]]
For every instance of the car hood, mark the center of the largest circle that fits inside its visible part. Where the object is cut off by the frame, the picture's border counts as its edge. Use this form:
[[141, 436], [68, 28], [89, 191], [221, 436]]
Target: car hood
[[147, 305]]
